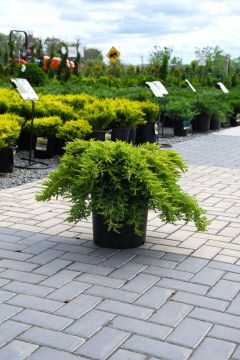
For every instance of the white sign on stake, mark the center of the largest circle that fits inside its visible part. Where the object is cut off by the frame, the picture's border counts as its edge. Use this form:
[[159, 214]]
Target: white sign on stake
[[223, 87], [154, 89], [24, 89], [190, 85], [161, 88]]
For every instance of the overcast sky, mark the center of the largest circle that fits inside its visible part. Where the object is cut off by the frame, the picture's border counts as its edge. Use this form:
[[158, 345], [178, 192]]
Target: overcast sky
[[134, 27]]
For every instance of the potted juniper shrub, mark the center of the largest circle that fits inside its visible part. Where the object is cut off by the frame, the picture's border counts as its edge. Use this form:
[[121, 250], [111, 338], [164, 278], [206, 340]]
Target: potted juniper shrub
[[9, 133], [118, 183], [181, 111], [204, 104], [146, 132], [71, 130], [128, 115], [99, 114], [45, 129], [234, 118]]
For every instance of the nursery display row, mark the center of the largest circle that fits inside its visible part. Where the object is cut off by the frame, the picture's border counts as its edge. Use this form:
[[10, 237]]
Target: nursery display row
[[59, 119]]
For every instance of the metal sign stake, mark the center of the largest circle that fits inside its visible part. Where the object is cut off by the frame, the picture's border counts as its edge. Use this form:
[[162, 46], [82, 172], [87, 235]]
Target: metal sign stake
[[27, 93]]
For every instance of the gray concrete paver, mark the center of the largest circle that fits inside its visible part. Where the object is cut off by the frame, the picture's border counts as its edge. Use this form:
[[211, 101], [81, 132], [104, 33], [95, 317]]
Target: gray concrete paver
[[176, 297]]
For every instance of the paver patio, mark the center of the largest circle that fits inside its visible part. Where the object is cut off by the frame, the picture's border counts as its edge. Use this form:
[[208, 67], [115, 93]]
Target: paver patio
[[176, 297]]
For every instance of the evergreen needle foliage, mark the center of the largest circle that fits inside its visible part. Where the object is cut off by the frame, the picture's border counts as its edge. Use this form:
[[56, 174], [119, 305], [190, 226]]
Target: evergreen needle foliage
[[117, 181]]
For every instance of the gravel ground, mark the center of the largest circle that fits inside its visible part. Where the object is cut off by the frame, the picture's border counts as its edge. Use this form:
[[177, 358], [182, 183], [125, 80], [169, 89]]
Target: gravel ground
[[23, 176]]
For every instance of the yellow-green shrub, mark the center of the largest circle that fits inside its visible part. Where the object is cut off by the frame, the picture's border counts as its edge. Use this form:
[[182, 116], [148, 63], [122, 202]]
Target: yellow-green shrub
[[14, 117], [127, 113], [74, 129], [149, 109], [100, 113], [49, 106], [45, 126], [9, 131], [20, 107], [77, 101]]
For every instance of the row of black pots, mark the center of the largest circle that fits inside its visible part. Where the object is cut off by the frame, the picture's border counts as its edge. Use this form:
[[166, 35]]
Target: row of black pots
[[201, 123], [46, 148], [136, 136]]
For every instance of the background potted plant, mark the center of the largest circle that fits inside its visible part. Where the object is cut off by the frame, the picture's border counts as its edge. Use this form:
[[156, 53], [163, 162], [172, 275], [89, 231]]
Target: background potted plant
[[9, 133], [71, 130], [119, 183], [181, 112], [99, 114], [45, 130], [128, 115], [146, 132], [204, 104]]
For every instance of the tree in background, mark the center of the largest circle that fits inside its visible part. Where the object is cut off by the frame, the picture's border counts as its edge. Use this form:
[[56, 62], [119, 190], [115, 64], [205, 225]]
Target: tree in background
[[159, 62]]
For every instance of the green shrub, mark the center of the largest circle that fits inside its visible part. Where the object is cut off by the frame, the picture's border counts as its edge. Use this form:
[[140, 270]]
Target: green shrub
[[14, 117], [77, 101], [74, 129], [88, 81], [116, 180], [49, 106], [127, 113], [180, 109], [9, 131], [33, 74], [150, 110], [99, 114], [17, 105], [45, 126]]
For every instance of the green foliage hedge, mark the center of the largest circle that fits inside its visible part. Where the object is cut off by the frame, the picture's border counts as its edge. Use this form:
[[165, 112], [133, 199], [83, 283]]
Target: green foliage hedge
[[74, 129], [9, 130], [45, 126]]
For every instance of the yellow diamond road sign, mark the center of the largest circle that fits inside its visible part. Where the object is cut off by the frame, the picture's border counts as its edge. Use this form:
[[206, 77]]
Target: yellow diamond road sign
[[113, 54]]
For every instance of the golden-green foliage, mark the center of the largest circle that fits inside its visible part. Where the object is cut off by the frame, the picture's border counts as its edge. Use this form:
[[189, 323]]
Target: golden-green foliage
[[45, 126], [49, 106], [116, 180], [149, 109], [77, 101], [74, 129], [9, 130], [14, 117], [127, 113], [99, 113]]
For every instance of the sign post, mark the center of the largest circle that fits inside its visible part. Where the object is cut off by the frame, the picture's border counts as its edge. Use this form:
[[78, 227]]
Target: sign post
[[191, 86], [113, 56], [27, 93], [160, 91]]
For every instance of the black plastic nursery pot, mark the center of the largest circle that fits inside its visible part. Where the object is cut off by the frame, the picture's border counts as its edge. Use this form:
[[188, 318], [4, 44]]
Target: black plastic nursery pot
[[182, 127], [146, 133], [24, 140], [45, 148], [126, 239], [120, 134], [215, 124], [6, 160], [99, 135], [201, 123], [59, 147], [234, 120]]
